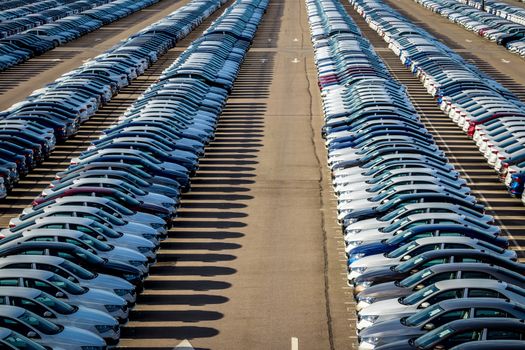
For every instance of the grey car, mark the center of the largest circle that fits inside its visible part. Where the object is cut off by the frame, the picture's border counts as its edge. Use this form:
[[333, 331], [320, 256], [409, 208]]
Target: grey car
[[435, 316], [73, 272], [57, 311], [436, 273], [47, 333], [453, 289], [103, 249], [419, 246], [109, 207], [66, 290], [97, 214], [10, 339]]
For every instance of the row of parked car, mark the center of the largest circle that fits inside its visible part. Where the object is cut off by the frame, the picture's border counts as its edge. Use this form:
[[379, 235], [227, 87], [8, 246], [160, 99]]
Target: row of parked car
[[33, 34], [28, 17], [428, 267], [87, 242], [489, 25], [503, 9], [484, 109], [30, 129]]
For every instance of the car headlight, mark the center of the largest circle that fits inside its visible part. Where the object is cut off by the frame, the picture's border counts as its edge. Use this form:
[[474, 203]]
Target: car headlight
[[350, 221], [130, 277], [355, 243], [359, 269], [121, 292], [353, 232], [112, 308], [368, 300], [370, 340], [103, 328], [354, 257], [136, 263], [144, 249], [156, 225], [369, 318]]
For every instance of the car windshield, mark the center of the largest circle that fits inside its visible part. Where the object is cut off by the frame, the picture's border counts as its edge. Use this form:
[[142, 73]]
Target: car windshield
[[104, 230], [396, 225], [55, 304], [132, 189], [76, 270], [390, 216], [419, 295], [19, 342], [39, 323], [415, 278], [402, 250], [66, 285], [432, 337], [111, 218], [423, 316], [119, 208], [95, 243], [409, 264]]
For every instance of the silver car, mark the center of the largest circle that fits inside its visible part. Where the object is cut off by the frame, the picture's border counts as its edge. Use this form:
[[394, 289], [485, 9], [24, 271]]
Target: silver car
[[73, 272], [66, 290], [419, 246], [47, 333], [108, 206], [85, 241], [434, 293], [96, 214], [49, 307], [87, 226]]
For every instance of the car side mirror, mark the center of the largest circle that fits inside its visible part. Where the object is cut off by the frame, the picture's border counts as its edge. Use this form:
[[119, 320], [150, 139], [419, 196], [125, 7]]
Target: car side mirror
[[71, 278], [439, 347], [429, 326], [100, 238], [48, 314], [60, 295], [420, 286], [31, 334], [406, 257], [91, 250], [424, 305]]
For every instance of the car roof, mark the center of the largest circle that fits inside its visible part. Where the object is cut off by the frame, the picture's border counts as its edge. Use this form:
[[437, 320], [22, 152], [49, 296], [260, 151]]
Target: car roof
[[479, 302], [484, 322], [54, 260], [26, 273], [11, 311], [491, 344], [469, 283], [30, 293]]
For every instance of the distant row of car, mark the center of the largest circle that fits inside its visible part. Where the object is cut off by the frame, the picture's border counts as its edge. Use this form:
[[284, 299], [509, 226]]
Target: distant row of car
[[33, 34], [484, 109], [428, 267], [490, 26], [87, 242], [30, 129]]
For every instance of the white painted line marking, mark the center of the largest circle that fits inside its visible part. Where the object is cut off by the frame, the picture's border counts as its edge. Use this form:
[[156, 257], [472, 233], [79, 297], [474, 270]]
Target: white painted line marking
[[504, 60], [184, 345], [295, 39], [295, 60], [295, 343], [468, 40]]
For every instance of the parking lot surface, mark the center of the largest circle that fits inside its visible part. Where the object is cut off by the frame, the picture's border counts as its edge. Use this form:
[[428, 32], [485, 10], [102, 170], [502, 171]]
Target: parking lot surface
[[255, 259]]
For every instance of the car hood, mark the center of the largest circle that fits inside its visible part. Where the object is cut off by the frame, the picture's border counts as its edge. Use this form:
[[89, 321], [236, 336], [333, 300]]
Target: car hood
[[390, 330], [79, 337], [385, 290]]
